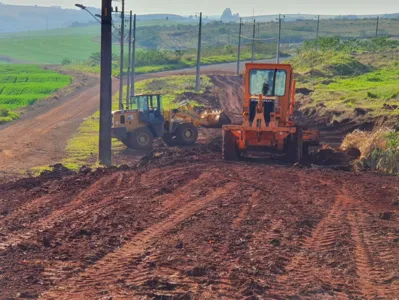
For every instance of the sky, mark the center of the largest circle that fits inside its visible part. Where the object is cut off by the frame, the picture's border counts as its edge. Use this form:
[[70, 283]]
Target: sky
[[243, 7]]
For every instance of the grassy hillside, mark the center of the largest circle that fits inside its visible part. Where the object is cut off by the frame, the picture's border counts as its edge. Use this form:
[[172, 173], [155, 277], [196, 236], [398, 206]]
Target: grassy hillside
[[23, 85], [349, 83]]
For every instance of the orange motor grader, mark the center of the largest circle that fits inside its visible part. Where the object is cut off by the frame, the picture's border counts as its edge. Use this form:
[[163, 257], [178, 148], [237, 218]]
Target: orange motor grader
[[268, 108]]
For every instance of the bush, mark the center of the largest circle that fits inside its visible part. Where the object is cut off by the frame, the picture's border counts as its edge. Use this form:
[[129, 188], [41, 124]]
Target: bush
[[66, 61]]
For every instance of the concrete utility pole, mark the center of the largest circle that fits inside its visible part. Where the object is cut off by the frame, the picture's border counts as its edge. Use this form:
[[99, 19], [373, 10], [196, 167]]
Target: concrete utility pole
[[121, 59], [239, 48], [376, 28], [317, 33], [198, 78], [133, 75], [253, 42], [106, 84], [278, 39], [129, 61]]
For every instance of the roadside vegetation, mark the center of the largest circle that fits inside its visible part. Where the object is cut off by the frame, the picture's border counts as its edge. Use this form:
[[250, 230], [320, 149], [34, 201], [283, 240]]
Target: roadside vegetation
[[23, 85], [82, 149]]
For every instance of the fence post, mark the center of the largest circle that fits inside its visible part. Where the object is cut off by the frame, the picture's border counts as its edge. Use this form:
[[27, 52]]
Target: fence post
[[239, 48]]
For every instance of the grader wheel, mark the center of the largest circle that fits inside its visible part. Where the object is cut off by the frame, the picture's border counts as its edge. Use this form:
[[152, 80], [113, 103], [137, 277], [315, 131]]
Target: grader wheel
[[295, 148], [229, 148]]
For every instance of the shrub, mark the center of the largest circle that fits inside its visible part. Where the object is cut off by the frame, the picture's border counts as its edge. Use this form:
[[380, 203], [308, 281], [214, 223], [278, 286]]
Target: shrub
[[66, 61]]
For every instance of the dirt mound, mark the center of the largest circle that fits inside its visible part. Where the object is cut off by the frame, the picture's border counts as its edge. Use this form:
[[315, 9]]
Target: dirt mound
[[333, 157], [57, 170]]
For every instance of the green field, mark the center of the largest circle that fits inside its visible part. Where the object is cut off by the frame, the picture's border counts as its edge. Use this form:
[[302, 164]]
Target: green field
[[23, 85]]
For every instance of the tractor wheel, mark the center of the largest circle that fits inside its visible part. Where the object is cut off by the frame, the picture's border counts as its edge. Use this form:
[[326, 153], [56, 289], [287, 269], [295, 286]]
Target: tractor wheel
[[140, 139], [169, 140], [186, 134], [229, 148]]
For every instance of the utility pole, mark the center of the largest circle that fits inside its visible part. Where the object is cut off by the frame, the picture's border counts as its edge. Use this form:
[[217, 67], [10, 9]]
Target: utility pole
[[376, 28], [133, 75], [253, 42], [198, 79], [106, 84], [239, 48], [129, 62], [121, 59], [258, 30], [317, 33], [278, 39]]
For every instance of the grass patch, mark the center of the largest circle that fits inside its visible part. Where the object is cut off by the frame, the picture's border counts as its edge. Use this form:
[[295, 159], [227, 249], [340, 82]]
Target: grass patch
[[23, 85], [376, 93], [347, 85], [82, 149]]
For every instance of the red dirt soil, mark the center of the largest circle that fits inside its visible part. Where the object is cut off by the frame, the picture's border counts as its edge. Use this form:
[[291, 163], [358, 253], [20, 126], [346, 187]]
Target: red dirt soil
[[187, 225], [183, 224]]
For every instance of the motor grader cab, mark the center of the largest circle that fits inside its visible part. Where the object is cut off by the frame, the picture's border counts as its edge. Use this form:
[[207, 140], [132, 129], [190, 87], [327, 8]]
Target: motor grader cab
[[144, 119], [268, 108]]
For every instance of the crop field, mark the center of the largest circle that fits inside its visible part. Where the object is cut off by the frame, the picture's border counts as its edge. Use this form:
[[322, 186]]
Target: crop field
[[23, 85]]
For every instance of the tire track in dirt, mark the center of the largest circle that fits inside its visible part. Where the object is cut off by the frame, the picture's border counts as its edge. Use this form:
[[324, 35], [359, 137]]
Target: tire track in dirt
[[302, 269], [100, 277], [95, 213], [71, 210], [373, 256], [224, 286]]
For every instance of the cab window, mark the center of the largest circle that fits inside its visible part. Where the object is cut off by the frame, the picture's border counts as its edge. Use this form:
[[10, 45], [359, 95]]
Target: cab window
[[142, 103], [267, 82]]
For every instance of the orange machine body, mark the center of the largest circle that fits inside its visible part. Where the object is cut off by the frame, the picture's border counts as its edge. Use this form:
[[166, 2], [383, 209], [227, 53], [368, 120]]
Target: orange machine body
[[268, 108]]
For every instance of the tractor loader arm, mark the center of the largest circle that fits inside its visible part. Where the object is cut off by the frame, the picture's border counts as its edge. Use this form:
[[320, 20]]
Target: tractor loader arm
[[206, 118]]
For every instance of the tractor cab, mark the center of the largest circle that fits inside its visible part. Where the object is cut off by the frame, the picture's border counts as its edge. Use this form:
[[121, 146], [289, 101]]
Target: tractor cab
[[149, 107], [140, 122]]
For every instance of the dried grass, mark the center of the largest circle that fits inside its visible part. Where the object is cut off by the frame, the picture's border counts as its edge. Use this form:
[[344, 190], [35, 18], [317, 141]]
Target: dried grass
[[379, 149]]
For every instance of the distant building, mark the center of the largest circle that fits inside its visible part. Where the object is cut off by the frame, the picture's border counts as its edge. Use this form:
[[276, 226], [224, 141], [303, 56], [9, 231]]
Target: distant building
[[227, 16]]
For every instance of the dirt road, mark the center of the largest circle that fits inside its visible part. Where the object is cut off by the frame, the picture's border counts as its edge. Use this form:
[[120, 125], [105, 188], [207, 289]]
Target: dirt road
[[187, 225], [41, 139]]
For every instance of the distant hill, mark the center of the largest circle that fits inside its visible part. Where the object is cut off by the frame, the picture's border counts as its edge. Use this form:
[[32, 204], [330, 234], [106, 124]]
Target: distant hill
[[16, 18], [295, 17]]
